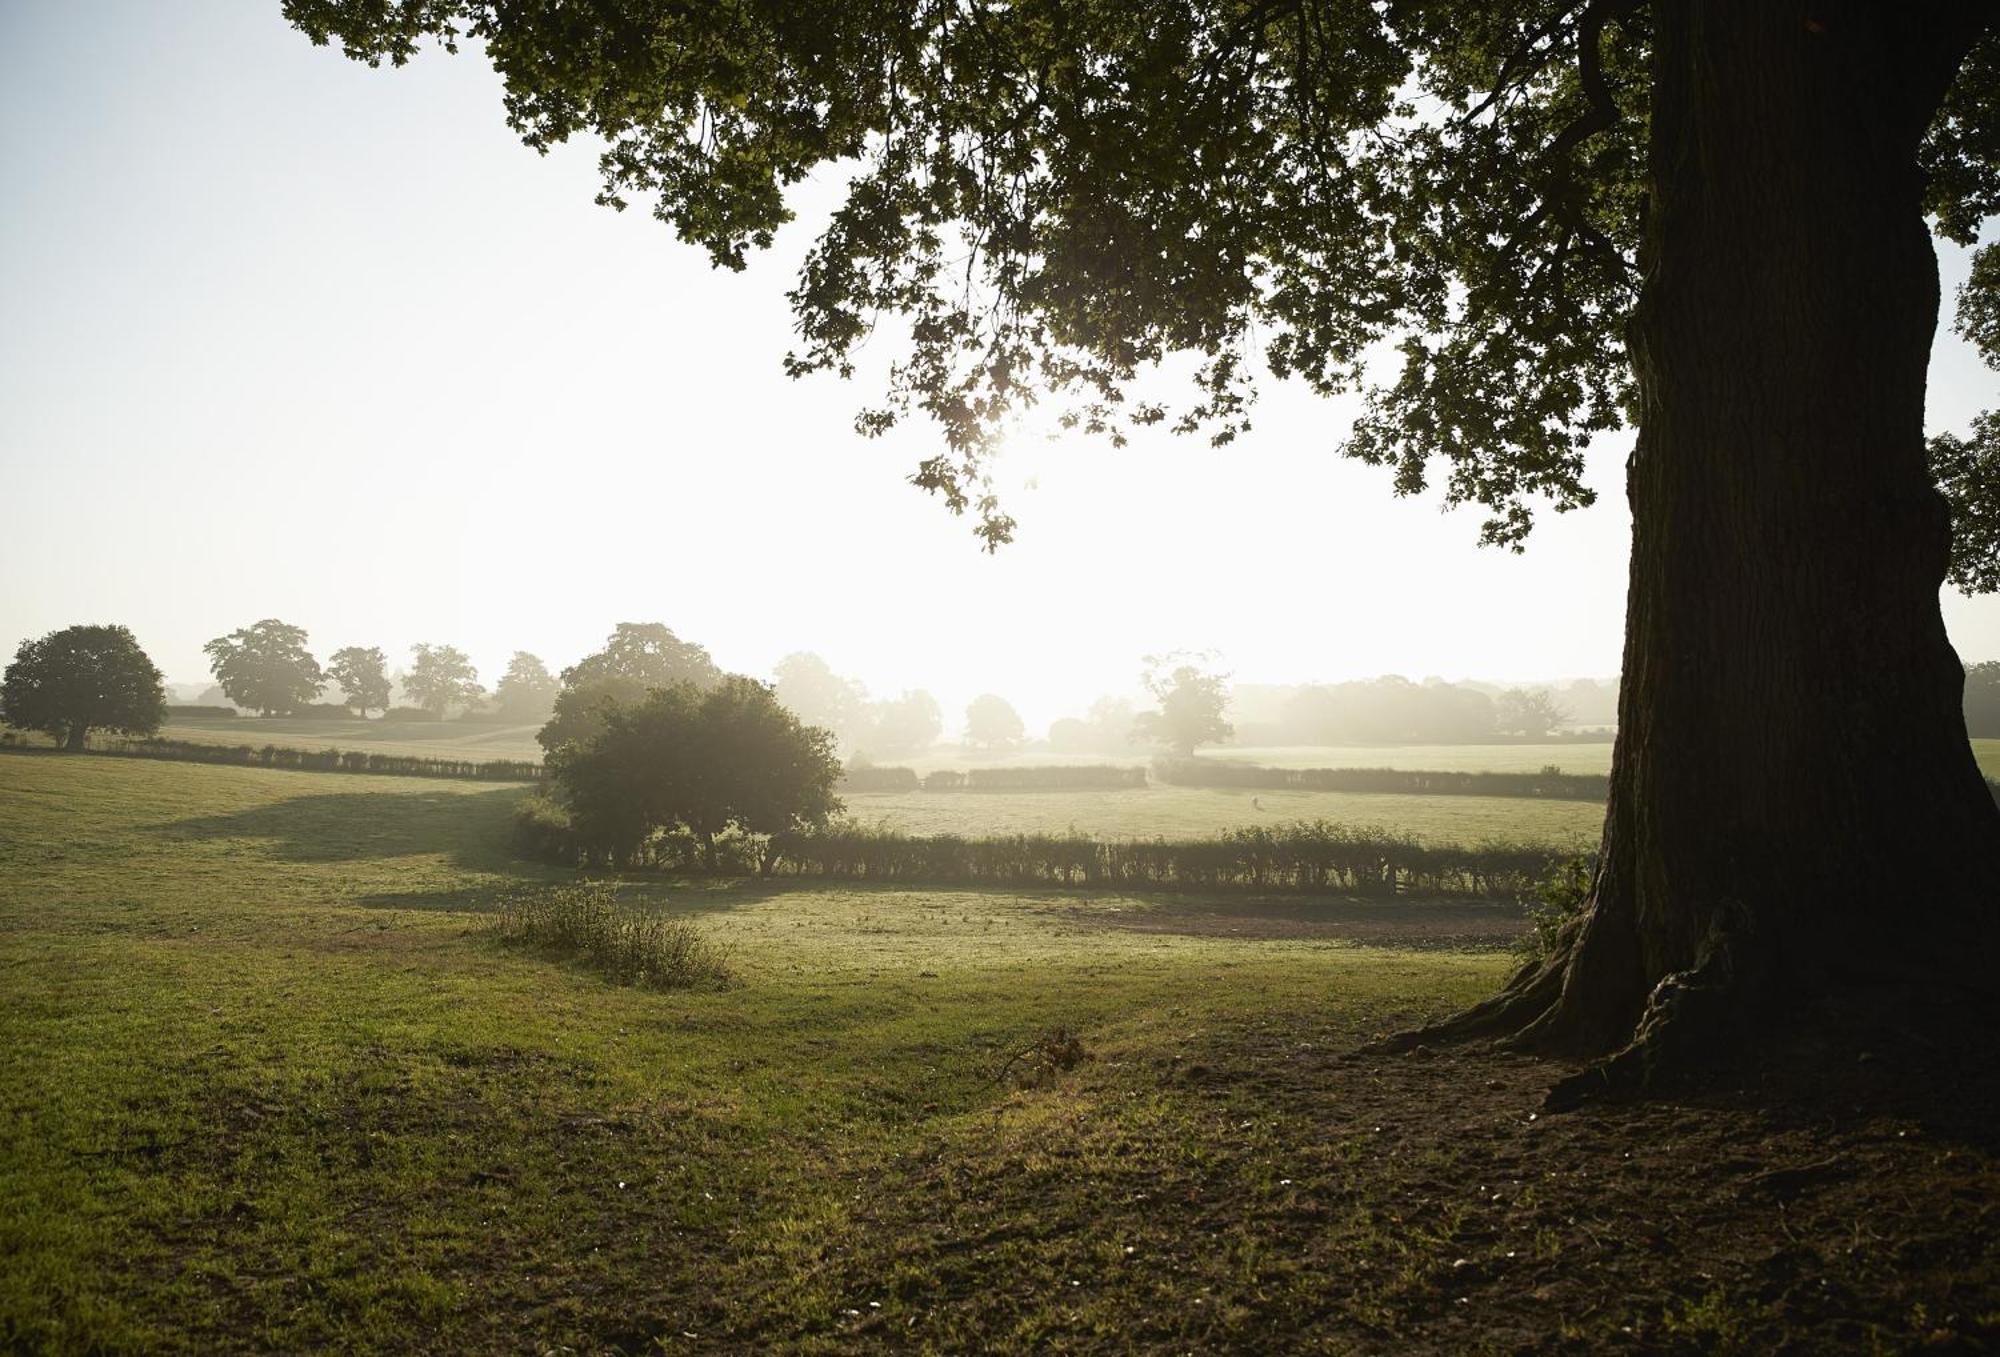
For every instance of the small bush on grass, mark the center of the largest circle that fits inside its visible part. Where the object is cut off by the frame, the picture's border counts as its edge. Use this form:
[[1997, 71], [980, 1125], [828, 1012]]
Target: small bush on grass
[[586, 923]]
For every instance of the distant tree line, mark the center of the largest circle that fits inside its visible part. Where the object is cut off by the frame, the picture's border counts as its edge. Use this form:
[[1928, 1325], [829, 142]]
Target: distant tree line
[[267, 668], [1394, 710]]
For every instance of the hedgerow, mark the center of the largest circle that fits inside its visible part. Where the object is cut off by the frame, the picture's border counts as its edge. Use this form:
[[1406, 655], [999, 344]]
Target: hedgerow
[[1551, 783], [315, 760], [1309, 857]]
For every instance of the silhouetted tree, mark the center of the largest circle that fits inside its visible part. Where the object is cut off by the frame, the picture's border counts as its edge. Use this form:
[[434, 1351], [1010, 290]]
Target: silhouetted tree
[[363, 675], [441, 677], [637, 657], [992, 723], [1533, 712], [527, 691], [1192, 700], [266, 667], [900, 727], [1705, 216], [705, 760], [80, 679]]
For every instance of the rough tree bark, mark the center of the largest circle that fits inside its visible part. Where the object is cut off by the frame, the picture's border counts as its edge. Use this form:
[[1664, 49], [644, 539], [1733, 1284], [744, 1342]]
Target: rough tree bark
[[1795, 818]]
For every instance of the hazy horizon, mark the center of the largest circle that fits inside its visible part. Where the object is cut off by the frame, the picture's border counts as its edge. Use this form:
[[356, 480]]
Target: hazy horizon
[[293, 338]]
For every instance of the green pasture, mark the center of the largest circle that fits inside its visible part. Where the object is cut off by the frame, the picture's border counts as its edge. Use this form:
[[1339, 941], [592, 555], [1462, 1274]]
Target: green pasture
[[478, 740], [495, 740], [266, 1080], [1199, 812]]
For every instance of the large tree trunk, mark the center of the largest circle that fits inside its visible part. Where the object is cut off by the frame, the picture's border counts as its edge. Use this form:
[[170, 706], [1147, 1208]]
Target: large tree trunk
[[76, 737], [1795, 815]]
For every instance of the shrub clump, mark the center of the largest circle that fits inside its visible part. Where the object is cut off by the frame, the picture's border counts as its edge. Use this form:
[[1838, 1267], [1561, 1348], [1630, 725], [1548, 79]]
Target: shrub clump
[[585, 923], [1560, 897]]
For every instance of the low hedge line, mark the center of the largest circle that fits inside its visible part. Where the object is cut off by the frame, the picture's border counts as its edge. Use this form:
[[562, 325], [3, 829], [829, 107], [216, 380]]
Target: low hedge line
[[196, 712], [1307, 858], [309, 760], [1311, 857], [1550, 783]]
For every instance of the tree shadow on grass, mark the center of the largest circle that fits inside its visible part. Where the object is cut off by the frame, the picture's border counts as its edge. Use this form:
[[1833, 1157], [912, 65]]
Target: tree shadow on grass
[[469, 828]]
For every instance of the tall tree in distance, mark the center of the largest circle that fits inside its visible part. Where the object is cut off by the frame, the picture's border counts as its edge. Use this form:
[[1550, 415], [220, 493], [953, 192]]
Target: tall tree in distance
[[637, 656], [363, 675], [80, 679], [1533, 712], [992, 724], [902, 726], [527, 691], [266, 667], [1707, 218], [1192, 698], [440, 678], [808, 686]]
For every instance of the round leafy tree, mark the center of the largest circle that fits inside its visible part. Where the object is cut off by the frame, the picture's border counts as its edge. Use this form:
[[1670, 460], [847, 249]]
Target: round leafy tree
[[637, 657], [700, 760], [266, 666], [1192, 700], [81, 679], [992, 723]]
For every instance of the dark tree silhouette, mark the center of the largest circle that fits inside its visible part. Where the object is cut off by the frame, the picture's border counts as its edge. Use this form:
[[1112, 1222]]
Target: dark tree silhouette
[[81, 679], [702, 760], [363, 675], [1706, 217], [266, 666]]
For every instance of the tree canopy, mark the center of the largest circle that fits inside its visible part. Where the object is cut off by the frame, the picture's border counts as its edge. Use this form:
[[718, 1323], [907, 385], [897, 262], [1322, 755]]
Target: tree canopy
[[80, 679], [992, 723], [699, 760], [527, 690], [1059, 194], [440, 678], [363, 675], [266, 667], [637, 656], [1192, 700]]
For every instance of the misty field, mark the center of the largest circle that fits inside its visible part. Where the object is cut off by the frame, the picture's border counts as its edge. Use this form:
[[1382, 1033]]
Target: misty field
[[271, 1081], [1198, 812], [425, 739], [491, 740]]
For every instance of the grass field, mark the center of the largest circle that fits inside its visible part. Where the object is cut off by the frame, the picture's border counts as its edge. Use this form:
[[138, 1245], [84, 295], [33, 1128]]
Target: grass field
[[479, 740], [424, 739], [268, 1082], [1198, 812]]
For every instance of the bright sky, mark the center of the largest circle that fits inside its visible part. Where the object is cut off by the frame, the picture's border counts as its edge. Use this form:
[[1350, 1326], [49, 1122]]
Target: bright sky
[[284, 336]]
